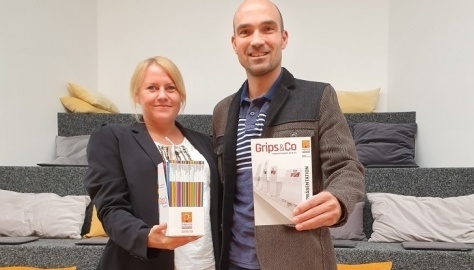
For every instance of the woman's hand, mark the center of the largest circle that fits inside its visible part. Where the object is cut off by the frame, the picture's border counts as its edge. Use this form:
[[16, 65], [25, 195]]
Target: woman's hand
[[157, 238]]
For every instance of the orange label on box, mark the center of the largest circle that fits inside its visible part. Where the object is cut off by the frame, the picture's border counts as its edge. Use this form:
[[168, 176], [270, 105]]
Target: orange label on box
[[186, 217], [305, 144]]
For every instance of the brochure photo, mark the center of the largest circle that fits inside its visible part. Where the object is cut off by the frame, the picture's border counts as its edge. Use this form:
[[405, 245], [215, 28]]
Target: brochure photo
[[282, 177]]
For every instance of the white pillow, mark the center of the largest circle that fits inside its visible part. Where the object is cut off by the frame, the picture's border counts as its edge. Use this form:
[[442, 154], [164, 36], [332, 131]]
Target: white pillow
[[399, 218], [45, 215]]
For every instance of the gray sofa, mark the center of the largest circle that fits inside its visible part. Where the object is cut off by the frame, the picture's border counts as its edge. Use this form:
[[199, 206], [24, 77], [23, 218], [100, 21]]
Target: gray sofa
[[441, 182]]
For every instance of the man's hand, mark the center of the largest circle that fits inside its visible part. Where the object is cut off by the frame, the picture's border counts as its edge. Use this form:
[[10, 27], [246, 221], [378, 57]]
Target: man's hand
[[157, 238], [322, 209]]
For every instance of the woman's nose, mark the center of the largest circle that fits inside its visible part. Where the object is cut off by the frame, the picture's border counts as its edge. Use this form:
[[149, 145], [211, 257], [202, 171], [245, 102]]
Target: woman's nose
[[161, 93]]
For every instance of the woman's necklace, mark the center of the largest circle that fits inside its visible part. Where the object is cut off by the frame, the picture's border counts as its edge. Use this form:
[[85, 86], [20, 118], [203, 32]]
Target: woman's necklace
[[173, 151]]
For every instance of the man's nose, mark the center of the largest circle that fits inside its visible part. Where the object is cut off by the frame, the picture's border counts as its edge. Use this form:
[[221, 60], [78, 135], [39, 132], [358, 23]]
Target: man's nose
[[257, 39]]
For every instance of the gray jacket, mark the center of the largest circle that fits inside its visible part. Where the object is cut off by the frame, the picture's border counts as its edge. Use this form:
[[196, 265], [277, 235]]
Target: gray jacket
[[299, 108]]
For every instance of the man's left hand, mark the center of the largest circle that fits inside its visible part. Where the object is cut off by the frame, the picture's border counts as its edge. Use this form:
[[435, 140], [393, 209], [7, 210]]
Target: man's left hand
[[322, 209]]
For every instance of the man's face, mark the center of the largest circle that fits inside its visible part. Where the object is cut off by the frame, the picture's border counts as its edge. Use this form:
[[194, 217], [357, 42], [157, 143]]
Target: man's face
[[258, 39]]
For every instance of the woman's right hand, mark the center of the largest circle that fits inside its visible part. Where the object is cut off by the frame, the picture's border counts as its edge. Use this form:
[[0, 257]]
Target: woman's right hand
[[158, 239]]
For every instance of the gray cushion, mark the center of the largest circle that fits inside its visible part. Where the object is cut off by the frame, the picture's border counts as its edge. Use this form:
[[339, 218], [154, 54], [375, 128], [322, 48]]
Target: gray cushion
[[354, 227], [71, 150], [385, 145]]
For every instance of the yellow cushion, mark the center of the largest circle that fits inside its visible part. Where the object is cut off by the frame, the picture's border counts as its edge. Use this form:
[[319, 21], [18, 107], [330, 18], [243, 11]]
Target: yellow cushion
[[358, 101], [95, 99], [78, 106], [96, 226], [34, 268], [366, 266]]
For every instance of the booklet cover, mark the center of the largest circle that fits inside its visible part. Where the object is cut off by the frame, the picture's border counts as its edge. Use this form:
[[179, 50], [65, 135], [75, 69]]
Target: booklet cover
[[282, 177], [180, 197]]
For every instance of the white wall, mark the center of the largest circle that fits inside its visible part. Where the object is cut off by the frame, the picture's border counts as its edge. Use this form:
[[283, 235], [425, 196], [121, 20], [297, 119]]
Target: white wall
[[328, 41], [355, 46], [431, 64], [43, 45]]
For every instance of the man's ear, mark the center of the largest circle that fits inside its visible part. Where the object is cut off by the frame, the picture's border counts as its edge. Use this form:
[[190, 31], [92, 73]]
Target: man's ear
[[284, 39], [232, 39]]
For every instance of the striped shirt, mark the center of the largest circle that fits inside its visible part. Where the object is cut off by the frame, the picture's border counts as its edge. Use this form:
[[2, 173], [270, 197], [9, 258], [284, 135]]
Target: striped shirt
[[251, 121]]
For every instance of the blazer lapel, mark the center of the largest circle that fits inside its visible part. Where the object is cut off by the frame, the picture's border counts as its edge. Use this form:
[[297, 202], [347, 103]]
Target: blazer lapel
[[278, 101], [195, 142], [141, 135], [230, 137], [229, 143]]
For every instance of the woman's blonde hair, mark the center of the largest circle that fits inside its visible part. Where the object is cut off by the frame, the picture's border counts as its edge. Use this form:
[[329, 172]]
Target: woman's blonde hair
[[168, 66]]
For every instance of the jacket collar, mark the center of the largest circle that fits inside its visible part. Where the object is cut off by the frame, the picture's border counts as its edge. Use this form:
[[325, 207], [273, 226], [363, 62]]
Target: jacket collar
[[141, 135], [145, 141], [281, 95], [287, 79], [287, 84]]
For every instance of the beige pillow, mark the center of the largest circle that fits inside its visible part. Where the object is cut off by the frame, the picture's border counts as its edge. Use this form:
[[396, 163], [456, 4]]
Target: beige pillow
[[399, 218], [366, 266], [94, 98], [96, 230], [78, 106], [46, 215], [35, 268], [358, 101]]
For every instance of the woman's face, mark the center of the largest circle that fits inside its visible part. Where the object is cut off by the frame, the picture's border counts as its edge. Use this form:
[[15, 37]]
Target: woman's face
[[158, 96]]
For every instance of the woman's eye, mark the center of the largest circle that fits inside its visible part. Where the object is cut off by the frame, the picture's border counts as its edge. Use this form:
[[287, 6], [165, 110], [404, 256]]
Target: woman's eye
[[170, 88]]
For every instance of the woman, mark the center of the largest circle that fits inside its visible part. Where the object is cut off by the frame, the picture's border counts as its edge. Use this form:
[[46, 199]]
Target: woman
[[122, 177]]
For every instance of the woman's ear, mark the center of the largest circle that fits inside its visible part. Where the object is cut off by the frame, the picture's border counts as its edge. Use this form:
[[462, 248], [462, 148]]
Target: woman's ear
[[136, 97]]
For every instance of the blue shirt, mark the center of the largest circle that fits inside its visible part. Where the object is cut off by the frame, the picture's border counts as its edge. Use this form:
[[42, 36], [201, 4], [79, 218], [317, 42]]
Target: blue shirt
[[252, 116]]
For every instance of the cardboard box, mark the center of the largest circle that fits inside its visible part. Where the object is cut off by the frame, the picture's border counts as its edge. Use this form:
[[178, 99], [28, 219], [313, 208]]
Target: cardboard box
[[282, 177], [180, 200]]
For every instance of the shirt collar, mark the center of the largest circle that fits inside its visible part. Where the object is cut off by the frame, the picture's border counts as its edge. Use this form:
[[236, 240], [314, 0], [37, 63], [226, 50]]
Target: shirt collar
[[268, 95]]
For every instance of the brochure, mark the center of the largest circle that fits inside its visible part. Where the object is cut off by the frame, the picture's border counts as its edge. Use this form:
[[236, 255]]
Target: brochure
[[282, 177]]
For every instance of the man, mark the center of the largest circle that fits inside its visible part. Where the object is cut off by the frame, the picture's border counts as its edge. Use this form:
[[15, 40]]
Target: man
[[272, 103]]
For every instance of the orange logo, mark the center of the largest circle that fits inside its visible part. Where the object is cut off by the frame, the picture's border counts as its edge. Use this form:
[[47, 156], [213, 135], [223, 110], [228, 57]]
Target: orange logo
[[186, 217], [305, 144]]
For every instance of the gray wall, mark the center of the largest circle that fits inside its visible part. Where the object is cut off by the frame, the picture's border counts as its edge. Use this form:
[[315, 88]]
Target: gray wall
[[354, 46]]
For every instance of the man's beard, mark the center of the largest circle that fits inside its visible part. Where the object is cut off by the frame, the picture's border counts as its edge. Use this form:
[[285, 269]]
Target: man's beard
[[262, 69]]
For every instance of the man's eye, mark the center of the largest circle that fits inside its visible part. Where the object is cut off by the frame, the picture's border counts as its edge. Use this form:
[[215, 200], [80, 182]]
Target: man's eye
[[244, 32], [268, 29]]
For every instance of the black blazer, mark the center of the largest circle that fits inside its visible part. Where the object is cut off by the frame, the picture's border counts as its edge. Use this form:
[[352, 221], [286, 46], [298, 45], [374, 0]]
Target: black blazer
[[122, 182]]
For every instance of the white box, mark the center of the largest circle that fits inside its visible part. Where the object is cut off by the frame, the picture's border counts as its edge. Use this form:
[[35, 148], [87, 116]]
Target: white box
[[182, 219], [282, 177]]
